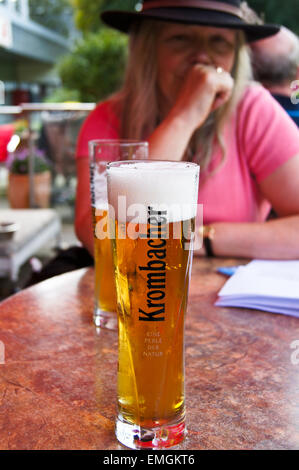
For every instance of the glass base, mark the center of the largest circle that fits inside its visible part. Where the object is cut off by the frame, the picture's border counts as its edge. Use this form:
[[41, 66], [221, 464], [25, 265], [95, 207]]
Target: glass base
[[105, 319], [160, 437]]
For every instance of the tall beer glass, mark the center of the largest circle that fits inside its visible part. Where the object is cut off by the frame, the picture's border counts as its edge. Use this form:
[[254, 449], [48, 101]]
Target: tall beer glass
[[101, 152], [152, 251]]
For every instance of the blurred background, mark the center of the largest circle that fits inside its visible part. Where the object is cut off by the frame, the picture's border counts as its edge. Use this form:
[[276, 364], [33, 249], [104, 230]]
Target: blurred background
[[56, 62]]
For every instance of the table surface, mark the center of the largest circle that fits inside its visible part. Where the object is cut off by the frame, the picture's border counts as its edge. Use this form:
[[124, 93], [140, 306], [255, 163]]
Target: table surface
[[58, 383]]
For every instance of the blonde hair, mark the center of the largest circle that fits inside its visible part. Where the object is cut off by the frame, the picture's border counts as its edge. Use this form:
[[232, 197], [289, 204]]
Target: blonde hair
[[138, 105]]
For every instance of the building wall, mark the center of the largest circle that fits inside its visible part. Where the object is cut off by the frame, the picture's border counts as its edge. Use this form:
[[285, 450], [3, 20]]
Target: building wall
[[29, 59]]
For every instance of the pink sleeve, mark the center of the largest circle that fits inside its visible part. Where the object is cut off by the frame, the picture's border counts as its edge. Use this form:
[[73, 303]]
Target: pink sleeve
[[101, 123], [268, 134]]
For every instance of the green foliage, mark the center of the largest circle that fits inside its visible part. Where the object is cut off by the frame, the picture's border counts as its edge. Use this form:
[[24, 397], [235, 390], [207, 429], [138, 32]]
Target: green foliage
[[274, 11], [62, 95], [87, 12], [118, 4], [51, 14], [96, 66]]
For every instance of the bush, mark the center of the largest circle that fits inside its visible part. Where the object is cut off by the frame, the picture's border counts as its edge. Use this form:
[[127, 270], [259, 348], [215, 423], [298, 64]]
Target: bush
[[61, 95], [96, 66]]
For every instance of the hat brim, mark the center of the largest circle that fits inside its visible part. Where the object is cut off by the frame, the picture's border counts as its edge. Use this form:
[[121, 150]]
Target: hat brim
[[123, 20]]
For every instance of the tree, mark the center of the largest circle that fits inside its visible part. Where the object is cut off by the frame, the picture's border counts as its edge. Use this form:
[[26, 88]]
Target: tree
[[87, 13], [275, 12], [52, 14], [95, 67]]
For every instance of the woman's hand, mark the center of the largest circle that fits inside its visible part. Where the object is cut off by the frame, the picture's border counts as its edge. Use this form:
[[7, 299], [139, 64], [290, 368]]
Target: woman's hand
[[205, 89]]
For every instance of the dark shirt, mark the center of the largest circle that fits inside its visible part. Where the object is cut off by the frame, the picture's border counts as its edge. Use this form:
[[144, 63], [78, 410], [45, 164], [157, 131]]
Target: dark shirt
[[291, 109]]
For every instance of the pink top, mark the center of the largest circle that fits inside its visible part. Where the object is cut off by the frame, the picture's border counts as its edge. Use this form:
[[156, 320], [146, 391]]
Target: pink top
[[259, 138], [101, 123], [6, 133]]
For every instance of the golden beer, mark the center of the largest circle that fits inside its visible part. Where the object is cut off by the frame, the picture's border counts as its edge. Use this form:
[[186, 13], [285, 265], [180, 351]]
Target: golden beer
[[105, 293], [152, 271], [151, 361]]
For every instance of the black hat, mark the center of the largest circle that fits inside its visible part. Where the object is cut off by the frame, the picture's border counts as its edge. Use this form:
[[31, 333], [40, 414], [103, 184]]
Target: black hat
[[224, 13]]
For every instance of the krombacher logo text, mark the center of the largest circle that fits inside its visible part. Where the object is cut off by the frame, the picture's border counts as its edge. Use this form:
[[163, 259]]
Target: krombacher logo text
[[156, 266]]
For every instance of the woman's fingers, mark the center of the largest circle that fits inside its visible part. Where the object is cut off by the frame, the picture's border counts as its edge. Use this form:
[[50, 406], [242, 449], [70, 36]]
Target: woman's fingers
[[221, 84], [205, 89]]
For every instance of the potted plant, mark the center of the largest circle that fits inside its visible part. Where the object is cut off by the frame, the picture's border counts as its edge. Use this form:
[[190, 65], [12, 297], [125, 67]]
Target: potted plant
[[19, 183]]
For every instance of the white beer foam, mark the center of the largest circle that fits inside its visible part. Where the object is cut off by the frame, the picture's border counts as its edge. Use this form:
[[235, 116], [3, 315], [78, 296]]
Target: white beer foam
[[170, 186], [101, 206], [100, 190]]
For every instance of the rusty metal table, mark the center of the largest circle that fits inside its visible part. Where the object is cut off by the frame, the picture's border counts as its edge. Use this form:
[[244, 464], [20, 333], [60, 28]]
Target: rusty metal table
[[58, 382]]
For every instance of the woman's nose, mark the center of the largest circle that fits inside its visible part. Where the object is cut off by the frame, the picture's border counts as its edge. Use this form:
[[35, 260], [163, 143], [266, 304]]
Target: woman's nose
[[201, 54]]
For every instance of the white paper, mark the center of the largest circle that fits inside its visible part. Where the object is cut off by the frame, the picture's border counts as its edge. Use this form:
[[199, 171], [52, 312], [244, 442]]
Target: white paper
[[264, 285]]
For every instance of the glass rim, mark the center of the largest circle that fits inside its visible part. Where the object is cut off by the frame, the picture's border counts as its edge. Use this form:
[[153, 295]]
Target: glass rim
[[178, 165], [124, 142]]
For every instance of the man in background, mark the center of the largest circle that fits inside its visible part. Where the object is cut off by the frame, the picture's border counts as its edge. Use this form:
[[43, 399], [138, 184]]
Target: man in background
[[275, 64]]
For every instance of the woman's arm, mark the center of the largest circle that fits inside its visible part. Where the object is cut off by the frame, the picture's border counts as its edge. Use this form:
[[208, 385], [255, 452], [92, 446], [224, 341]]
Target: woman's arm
[[83, 215], [274, 239]]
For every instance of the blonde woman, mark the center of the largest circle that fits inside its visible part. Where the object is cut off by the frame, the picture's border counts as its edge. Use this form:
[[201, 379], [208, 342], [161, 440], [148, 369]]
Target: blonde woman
[[187, 91]]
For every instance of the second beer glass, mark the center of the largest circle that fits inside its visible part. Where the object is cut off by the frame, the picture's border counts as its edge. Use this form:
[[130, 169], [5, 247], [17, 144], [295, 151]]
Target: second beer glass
[[101, 152]]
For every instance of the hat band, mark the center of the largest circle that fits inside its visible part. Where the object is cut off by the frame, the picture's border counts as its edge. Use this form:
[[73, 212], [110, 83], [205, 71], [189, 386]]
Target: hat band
[[204, 4]]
